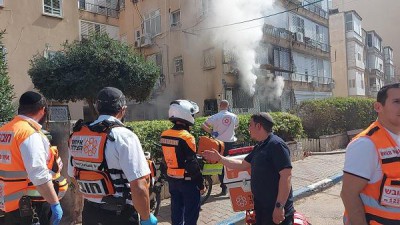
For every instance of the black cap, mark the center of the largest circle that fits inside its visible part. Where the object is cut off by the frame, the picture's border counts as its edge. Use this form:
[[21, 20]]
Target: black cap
[[267, 117], [30, 98], [109, 95], [110, 100]]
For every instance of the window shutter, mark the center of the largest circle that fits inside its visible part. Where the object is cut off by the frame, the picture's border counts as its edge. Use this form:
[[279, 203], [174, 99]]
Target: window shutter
[[84, 29]]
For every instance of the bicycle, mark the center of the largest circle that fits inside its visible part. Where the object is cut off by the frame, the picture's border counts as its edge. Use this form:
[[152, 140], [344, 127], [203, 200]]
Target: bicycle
[[160, 177]]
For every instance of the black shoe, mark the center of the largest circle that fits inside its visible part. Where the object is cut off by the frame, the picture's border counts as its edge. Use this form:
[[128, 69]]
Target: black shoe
[[223, 192]]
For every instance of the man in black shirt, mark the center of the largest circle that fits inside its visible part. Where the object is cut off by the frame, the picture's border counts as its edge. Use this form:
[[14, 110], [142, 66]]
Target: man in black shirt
[[270, 172]]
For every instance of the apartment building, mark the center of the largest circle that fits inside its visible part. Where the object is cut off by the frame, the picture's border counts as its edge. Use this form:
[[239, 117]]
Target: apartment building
[[298, 41], [360, 63], [347, 45], [36, 27], [379, 16]]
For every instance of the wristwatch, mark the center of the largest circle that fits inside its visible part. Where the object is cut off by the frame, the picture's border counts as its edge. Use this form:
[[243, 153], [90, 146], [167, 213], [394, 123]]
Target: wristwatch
[[279, 205]]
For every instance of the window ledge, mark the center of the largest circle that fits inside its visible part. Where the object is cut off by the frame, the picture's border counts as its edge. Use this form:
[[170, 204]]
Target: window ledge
[[53, 15]]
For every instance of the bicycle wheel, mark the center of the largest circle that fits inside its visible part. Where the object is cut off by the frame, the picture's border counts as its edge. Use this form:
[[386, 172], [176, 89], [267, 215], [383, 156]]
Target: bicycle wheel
[[208, 184], [155, 201]]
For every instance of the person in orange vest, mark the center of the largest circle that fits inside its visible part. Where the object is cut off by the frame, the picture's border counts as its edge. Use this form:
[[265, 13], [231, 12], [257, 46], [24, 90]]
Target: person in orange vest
[[371, 178], [271, 171], [27, 193], [185, 180], [108, 164]]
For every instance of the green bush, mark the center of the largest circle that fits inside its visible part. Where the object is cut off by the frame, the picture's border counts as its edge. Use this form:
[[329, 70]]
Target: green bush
[[287, 126], [335, 115]]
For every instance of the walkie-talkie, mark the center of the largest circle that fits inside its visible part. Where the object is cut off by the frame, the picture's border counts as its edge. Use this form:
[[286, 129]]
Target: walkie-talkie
[[25, 206]]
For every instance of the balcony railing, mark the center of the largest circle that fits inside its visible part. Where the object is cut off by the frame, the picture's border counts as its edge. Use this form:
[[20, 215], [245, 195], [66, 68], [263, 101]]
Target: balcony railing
[[277, 32], [311, 7], [309, 78], [282, 33], [98, 9]]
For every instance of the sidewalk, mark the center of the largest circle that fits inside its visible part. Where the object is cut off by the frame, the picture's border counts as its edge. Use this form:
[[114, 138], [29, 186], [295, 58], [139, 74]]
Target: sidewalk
[[308, 176]]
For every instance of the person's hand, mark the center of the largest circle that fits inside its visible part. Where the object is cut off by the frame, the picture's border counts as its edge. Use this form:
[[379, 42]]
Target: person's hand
[[211, 156], [203, 191], [214, 134], [151, 221], [56, 213], [278, 215]]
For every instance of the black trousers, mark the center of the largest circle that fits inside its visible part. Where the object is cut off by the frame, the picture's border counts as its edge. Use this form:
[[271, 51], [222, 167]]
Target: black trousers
[[93, 214], [42, 210], [228, 146]]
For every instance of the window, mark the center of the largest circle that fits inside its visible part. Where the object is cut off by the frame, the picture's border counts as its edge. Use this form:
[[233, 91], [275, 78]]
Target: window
[[362, 84], [359, 56], [352, 83], [88, 28], [157, 59], [349, 22], [178, 64], [241, 99], [176, 18], [369, 40], [52, 7], [298, 24], [1, 3], [208, 59], [152, 23]]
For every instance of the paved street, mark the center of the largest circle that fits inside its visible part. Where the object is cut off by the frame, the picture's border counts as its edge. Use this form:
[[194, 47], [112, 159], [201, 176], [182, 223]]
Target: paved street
[[305, 172], [325, 208]]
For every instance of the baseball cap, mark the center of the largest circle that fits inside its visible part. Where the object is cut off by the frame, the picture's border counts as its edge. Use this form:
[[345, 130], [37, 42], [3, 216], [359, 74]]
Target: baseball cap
[[110, 99]]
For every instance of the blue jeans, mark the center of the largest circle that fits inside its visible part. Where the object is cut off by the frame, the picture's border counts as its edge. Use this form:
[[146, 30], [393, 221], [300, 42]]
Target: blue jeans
[[185, 202]]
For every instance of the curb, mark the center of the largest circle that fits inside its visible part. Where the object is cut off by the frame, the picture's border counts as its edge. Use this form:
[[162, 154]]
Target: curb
[[297, 195]]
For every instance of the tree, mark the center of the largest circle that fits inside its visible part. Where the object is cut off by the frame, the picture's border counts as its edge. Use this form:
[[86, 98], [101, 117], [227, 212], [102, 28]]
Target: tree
[[7, 110], [83, 68]]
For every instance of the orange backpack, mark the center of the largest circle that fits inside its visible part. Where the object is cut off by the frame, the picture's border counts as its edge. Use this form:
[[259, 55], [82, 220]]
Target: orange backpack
[[208, 143]]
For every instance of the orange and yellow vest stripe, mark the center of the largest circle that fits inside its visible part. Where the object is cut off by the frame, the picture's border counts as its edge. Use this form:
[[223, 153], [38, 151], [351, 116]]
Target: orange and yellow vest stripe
[[14, 181]]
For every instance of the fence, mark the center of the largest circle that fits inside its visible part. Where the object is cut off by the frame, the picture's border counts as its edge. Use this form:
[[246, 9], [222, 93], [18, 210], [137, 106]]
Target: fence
[[326, 143]]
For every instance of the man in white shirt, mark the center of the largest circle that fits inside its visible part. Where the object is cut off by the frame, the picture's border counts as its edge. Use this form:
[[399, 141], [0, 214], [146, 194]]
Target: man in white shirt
[[24, 167], [108, 163], [222, 127], [372, 166]]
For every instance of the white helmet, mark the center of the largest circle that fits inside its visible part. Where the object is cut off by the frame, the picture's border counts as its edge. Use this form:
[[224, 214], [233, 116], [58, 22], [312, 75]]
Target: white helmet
[[183, 110]]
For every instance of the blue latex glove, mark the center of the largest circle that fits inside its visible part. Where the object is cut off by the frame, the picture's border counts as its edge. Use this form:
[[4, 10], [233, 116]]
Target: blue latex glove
[[214, 134], [151, 221], [56, 213]]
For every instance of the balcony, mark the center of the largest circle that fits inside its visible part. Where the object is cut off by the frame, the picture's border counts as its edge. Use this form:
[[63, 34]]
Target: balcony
[[101, 9], [317, 10], [314, 80], [276, 32]]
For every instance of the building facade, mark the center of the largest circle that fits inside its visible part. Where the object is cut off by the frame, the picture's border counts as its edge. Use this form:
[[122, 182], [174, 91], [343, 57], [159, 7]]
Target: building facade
[[360, 65], [36, 27]]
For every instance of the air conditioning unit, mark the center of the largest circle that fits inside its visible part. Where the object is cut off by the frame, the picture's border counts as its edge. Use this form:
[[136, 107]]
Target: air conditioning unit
[[299, 37], [145, 40]]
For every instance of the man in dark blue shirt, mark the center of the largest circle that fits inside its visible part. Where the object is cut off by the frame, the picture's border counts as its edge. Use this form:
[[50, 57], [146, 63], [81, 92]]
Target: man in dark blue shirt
[[270, 172]]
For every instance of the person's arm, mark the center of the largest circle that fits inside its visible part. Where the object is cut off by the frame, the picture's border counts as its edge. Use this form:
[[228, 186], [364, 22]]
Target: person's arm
[[360, 166], [214, 156], [140, 197], [206, 127], [283, 193], [351, 189], [47, 191]]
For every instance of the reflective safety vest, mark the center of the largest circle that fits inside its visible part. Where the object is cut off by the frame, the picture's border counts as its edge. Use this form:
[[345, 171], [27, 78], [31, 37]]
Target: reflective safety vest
[[87, 148], [174, 159], [382, 199], [14, 181]]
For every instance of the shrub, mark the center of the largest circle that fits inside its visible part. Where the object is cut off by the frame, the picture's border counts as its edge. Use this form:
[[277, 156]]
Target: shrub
[[287, 126], [335, 115]]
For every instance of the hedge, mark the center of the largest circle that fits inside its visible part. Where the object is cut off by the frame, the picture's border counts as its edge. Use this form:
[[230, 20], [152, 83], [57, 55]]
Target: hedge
[[335, 115], [287, 126]]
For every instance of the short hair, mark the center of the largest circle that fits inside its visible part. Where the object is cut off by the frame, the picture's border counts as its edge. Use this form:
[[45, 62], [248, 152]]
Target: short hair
[[382, 93], [265, 119], [31, 103], [110, 101]]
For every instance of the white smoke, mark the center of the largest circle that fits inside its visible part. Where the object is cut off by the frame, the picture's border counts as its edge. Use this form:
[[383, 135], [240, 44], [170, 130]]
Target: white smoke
[[243, 38]]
